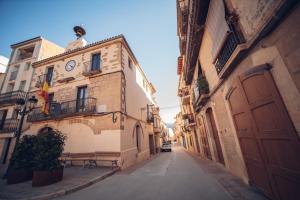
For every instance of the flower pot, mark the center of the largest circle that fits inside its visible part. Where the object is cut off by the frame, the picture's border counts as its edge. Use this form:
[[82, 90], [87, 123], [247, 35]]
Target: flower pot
[[19, 175], [47, 177]]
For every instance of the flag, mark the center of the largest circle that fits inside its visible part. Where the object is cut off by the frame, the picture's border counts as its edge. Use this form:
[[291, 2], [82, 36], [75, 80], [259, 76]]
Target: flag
[[45, 97]]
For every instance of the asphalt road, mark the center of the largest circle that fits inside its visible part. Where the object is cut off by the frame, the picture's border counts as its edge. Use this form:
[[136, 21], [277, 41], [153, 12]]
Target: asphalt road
[[173, 175]]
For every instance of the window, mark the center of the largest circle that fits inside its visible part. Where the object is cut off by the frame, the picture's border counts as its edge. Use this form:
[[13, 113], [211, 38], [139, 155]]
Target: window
[[96, 61], [14, 73], [50, 97], [129, 63], [10, 87], [22, 85], [49, 75], [2, 118], [138, 137], [25, 53], [50, 101], [81, 98], [15, 114], [27, 66]]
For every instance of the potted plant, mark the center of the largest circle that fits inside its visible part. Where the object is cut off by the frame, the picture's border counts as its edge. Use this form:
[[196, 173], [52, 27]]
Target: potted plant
[[21, 161], [203, 86], [46, 165]]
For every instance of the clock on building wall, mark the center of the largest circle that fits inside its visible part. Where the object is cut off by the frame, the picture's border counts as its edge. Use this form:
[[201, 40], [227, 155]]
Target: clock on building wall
[[70, 65]]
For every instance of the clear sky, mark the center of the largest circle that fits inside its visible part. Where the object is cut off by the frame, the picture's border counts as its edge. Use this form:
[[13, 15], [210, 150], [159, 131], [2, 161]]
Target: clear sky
[[148, 25]]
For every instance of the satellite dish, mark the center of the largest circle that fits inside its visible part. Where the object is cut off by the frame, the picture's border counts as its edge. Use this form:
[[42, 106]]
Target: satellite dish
[[79, 31]]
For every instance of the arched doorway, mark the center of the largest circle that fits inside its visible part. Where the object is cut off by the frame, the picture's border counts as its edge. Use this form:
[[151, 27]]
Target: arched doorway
[[213, 128], [204, 138], [138, 136], [268, 140]]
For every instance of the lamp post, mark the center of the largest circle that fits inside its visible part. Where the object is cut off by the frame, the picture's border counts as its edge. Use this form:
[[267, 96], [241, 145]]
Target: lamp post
[[23, 107]]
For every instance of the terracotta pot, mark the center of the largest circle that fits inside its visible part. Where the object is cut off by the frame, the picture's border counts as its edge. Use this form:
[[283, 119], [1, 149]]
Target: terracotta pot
[[19, 175], [47, 177]]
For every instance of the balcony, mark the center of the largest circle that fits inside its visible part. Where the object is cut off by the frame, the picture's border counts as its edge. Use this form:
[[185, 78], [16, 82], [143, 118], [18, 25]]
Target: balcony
[[64, 109], [88, 70], [150, 117], [229, 46], [201, 93], [9, 98], [9, 125]]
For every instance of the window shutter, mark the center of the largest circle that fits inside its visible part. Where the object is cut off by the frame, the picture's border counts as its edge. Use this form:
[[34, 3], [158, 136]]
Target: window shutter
[[217, 26]]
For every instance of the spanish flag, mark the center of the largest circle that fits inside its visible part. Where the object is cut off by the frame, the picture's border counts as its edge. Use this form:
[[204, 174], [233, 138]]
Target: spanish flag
[[45, 97]]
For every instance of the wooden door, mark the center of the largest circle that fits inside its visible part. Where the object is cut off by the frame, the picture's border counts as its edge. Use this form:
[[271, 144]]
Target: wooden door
[[267, 137], [214, 130], [204, 139]]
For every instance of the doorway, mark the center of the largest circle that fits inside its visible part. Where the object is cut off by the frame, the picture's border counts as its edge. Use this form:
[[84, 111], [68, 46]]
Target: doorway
[[151, 144], [267, 138], [213, 128], [204, 138]]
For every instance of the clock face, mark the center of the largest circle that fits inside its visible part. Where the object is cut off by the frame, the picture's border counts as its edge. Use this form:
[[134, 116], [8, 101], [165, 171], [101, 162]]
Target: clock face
[[70, 65]]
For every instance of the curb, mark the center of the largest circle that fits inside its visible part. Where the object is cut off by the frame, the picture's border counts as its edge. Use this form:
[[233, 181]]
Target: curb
[[73, 189]]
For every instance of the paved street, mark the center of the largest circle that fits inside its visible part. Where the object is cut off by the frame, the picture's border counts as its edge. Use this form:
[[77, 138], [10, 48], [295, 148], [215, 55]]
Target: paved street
[[175, 175]]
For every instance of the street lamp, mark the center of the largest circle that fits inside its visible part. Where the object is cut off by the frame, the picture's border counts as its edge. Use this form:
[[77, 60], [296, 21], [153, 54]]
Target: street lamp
[[23, 107]]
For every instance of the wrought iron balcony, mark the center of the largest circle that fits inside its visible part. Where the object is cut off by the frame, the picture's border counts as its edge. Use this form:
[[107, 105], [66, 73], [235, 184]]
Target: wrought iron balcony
[[88, 70], [189, 120], [64, 109], [9, 125], [201, 93], [150, 117], [9, 98], [229, 46]]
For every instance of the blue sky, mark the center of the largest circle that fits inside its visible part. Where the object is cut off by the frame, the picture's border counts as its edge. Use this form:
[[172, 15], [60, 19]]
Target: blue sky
[[148, 25]]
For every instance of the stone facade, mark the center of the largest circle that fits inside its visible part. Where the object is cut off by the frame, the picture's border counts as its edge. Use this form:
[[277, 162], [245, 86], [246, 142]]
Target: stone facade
[[24, 73], [122, 93], [262, 40]]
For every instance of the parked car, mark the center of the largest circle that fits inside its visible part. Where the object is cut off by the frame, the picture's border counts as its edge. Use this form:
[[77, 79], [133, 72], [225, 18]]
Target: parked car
[[166, 146]]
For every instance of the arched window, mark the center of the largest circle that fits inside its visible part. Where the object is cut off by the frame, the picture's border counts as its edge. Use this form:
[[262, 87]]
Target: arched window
[[138, 137]]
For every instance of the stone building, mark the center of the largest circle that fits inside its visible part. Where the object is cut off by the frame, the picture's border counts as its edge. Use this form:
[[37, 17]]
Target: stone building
[[239, 65], [16, 84], [100, 99], [3, 66]]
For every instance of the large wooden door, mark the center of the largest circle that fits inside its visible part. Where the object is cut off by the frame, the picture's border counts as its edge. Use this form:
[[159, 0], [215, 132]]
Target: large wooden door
[[203, 138], [267, 137], [214, 130]]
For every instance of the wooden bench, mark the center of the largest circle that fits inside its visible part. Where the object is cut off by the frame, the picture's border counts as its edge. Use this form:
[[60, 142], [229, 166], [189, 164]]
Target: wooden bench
[[89, 160]]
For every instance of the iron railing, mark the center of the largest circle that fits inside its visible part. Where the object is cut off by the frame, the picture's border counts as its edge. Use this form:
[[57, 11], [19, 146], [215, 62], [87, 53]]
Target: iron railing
[[229, 46], [64, 109], [9, 125], [87, 69], [11, 97]]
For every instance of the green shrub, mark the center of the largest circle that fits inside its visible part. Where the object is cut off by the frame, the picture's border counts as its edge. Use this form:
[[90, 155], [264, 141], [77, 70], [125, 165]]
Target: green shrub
[[24, 154], [48, 149], [203, 86]]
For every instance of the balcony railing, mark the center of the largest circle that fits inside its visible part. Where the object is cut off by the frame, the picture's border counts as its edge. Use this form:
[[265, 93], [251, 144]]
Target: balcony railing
[[201, 93], [13, 75], [88, 70], [65, 109], [150, 117], [11, 97], [230, 45], [9, 125]]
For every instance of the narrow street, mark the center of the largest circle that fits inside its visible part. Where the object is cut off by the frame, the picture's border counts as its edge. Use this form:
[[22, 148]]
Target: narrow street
[[174, 175]]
